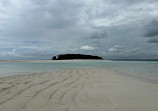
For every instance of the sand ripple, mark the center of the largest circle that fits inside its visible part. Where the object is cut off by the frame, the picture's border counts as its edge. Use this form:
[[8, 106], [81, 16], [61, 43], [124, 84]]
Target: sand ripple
[[76, 90]]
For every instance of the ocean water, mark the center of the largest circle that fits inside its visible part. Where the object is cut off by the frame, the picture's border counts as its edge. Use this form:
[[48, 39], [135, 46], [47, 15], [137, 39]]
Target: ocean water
[[141, 70]]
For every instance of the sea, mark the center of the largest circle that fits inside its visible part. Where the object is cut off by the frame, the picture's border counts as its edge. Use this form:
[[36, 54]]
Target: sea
[[141, 70]]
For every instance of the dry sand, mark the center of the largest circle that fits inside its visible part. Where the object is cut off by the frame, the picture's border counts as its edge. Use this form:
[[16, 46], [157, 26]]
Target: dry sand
[[77, 90]]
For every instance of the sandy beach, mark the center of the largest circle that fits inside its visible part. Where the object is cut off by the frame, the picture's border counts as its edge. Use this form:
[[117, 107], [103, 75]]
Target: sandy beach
[[52, 61], [77, 90]]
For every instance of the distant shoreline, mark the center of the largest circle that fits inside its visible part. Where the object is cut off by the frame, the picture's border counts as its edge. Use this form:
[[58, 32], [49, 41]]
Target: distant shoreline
[[134, 59], [73, 60], [52, 61]]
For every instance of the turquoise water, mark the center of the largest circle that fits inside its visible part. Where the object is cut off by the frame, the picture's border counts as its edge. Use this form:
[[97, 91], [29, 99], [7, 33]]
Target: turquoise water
[[147, 71]]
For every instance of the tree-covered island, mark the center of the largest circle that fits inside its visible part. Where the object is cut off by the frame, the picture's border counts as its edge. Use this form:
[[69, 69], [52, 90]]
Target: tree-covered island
[[75, 56]]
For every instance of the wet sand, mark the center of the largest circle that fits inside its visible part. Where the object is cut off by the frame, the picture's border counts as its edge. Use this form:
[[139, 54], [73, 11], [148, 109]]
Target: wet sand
[[77, 90]]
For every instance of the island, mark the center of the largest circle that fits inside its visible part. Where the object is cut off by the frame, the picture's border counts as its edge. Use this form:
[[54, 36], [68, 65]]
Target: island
[[75, 56]]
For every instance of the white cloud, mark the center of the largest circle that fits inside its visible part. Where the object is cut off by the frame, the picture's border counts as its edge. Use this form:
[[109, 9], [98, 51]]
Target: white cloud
[[116, 49], [86, 47], [8, 53]]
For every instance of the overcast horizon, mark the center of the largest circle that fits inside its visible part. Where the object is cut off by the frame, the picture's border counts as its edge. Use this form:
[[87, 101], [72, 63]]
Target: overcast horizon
[[113, 29]]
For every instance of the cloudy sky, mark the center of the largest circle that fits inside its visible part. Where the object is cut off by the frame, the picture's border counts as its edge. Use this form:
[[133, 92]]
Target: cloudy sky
[[38, 29]]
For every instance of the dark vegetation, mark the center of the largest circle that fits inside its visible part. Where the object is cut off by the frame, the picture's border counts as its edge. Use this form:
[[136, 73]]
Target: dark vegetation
[[75, 56]]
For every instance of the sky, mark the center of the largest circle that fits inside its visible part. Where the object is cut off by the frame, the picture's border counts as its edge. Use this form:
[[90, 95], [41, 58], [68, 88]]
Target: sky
[[113, 29]]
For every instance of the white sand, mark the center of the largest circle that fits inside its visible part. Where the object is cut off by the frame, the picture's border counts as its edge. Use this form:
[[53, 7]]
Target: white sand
[[77, 90]]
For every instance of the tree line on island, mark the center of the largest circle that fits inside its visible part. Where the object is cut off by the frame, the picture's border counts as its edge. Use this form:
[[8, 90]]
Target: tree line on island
[[75, 56]]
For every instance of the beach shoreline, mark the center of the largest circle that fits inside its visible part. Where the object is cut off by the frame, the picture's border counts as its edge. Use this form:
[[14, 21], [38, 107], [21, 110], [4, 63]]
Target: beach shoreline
[[86, 89], [52, 61]]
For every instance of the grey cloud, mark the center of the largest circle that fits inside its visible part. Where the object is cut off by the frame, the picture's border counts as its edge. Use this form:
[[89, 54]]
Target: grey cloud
[[99, 35], [34, 42], [153, 40], [130, 53], [45, 27], [96, 43], [151, 29], [38, 20], [129, 2], [133, 51]]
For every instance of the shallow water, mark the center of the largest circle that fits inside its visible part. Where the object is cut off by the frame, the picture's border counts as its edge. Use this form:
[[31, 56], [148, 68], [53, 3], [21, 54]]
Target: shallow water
[[143, 70]]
